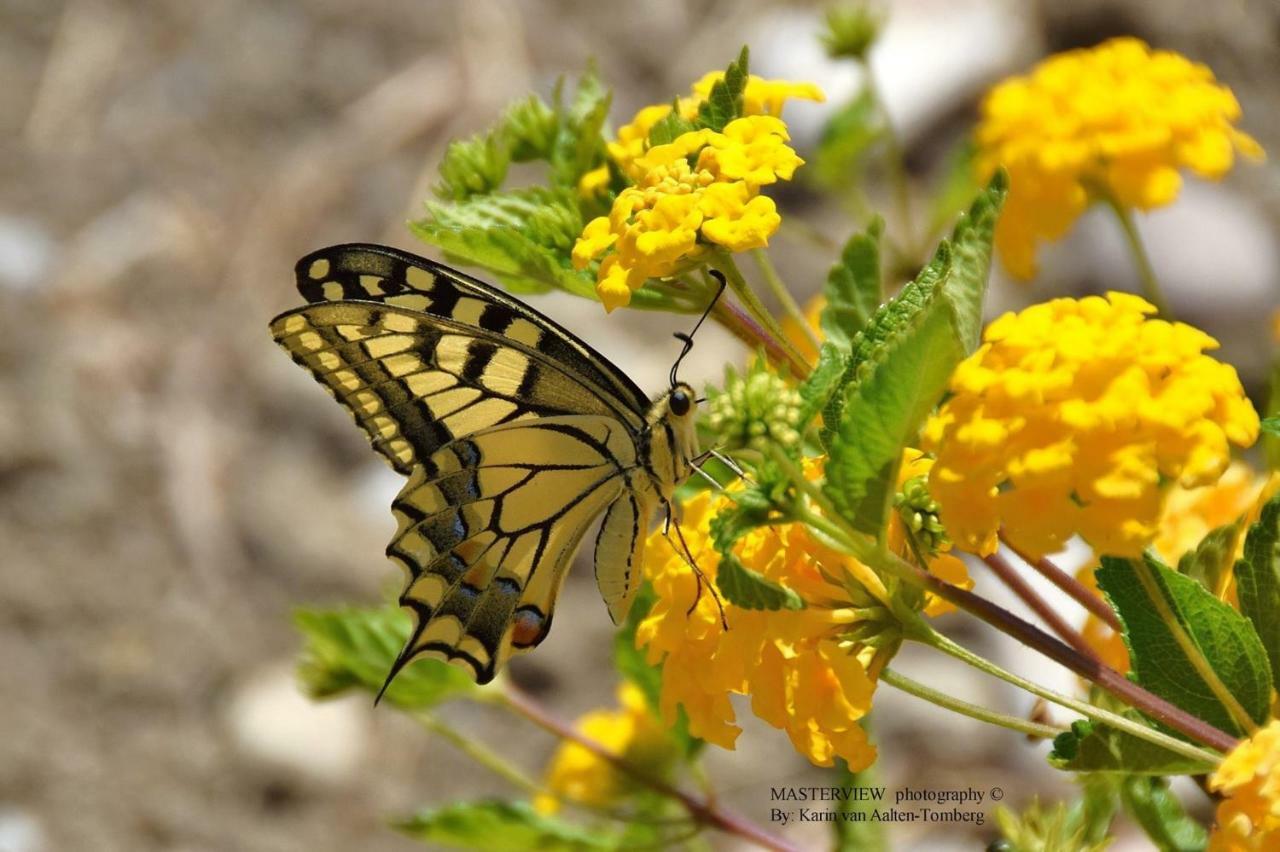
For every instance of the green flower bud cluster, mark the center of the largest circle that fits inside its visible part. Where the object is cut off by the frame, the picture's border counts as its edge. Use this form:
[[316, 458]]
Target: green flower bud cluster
[[755, 411], [851, 30], [919, 512]]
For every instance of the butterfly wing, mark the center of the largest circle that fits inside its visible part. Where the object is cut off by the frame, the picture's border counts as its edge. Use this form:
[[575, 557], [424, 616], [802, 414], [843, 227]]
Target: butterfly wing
[[513, 433]]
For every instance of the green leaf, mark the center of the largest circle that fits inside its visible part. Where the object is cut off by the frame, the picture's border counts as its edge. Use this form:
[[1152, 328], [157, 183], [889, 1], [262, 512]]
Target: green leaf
[[853, 287], [901, 362], [1271, 418], [724, 102], [956, 186], [668, 128], [817, 389], [749, 589], [473, 166], [739, 584], [355, 649], [579, 141], [1209, 563], [1270, 426], [498, 826], [1225, 638], [1090, 747], [1154, 807], [1258, 581], [846, 140]]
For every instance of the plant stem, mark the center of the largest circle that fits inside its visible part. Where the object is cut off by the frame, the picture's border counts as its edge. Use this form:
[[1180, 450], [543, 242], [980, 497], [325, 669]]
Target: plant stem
[[702, 811], [1033, 637], [755, 307], [1082, 594], [895, 161], [479, 753], [743, 327], [1129, 726], [1189, 648], [1024, 590], [964, 708], [783, 295], [1146, 274]]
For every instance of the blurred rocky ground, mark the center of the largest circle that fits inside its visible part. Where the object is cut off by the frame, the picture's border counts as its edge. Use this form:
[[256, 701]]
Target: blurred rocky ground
[[171, 486]]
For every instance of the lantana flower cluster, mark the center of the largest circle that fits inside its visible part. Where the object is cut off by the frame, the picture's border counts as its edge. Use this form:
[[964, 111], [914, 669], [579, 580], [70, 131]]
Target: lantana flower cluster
[[1248, 818], [1072, 417], [700, 190], [1116, 122]]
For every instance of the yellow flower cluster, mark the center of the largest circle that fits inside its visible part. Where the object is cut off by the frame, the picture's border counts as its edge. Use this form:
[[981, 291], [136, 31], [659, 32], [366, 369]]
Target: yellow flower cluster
[[800, 677], [759, 97], [1071, 418], [1115, 121], [1248, 818], [703, 188], [579, 775]]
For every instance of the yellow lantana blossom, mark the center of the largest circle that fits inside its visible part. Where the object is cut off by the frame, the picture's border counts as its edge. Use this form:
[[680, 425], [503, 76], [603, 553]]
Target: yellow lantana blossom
[[1248, 818], [759, 97], [801, 675], [577, 774], [700, 189], [1072, 417], [1114, 121]]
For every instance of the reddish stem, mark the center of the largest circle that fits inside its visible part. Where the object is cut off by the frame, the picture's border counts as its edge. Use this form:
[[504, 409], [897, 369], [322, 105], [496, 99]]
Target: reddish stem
[[1020, 587], [1104, 676], [742, 326], [1082, 594], [702, 811]]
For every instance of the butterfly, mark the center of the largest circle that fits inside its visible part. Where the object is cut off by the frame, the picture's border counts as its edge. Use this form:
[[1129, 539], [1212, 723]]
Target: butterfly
[[514, 435]]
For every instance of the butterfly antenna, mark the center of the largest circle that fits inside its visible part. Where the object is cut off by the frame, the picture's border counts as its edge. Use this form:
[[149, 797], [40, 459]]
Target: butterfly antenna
[[687, 339]]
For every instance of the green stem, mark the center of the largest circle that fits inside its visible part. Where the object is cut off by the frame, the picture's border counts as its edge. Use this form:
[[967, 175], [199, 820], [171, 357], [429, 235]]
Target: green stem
[[895, 161], [755, 307], [1189, 648], [1146, 274], [480, 754], [964, 708], [934, 639], [783, 295]]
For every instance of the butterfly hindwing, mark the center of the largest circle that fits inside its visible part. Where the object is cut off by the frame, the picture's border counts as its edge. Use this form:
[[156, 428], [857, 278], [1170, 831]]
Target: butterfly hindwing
[[487, 529]]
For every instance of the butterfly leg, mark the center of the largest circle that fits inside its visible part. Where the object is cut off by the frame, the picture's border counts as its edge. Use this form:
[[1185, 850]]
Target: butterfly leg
[[687, 555]]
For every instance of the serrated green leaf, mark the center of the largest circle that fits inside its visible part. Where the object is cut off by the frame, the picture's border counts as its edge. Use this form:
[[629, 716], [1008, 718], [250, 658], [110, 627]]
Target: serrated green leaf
[[1270, 426], [847, 138], [499, 826], [749, 589], [668, 128], [1258, 581], [853, 287], [355, 649], [1096, 748], [473, 166], [1155, 807], [901, 362], [1211, 559], [1225, 638], [822, 382], [724, 102]]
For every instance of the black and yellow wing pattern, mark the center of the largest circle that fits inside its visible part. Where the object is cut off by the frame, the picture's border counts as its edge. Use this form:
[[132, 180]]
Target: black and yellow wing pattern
[[514, 436]]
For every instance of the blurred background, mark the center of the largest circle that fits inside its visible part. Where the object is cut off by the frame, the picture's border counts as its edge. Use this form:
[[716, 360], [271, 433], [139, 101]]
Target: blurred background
[[171, 486]]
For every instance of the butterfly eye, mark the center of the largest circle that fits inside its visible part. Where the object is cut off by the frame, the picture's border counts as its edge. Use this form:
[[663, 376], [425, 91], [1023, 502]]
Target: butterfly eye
[[680, 403]]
